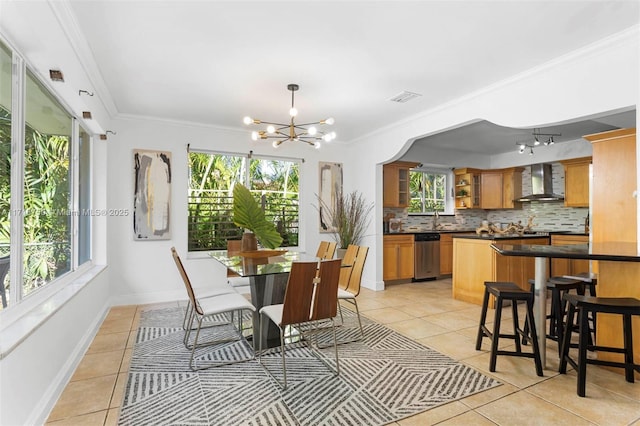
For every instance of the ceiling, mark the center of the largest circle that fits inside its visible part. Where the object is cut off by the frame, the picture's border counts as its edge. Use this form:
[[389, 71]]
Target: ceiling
[[214, 62], [484, 137]]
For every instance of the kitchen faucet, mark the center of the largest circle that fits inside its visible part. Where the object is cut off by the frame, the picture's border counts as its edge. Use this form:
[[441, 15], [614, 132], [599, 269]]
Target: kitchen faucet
[[434, 224]]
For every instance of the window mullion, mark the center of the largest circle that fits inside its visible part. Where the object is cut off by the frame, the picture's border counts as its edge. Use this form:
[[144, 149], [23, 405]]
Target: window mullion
[[17, 178], [74, 205]]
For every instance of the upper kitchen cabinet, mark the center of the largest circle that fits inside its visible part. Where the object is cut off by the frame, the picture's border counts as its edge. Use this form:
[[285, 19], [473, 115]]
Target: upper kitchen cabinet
[[467, 188], [499, 188], [576, 182], [396, 184]]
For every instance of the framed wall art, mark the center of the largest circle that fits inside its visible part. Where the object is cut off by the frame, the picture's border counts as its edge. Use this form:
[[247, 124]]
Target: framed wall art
[[152, 195], [330, 187]]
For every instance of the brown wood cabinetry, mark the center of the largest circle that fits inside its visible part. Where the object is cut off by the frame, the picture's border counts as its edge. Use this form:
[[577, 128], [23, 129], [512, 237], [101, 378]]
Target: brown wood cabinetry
[[467, 188], [499, 188], [614, 215], [474, 262], [446, 254], [396, 184], [561, 267], [397, 254], [576, 182]]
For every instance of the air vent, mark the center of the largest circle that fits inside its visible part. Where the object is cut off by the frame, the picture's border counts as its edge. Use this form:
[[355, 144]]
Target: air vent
[[404, 97], [86, 114]]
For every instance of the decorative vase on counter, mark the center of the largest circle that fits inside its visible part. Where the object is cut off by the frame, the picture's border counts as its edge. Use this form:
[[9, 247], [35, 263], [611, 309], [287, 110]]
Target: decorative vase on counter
[[340, 253], [249, 242]]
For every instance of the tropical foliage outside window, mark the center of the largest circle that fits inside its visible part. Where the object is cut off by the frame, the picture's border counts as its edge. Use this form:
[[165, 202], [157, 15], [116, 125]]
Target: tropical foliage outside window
[[428, 191], [274, 183], [46, 217]]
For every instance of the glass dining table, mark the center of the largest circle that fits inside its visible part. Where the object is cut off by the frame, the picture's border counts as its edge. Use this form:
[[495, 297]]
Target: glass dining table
[[268, 273]]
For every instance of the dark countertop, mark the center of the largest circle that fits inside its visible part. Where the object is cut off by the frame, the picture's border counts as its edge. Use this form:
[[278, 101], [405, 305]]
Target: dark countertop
[[585, 234], [613, 251], [488, 237], [442, 231]]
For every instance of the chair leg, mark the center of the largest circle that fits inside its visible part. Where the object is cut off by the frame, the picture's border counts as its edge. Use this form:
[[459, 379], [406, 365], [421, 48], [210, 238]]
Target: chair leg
[[582, 351], [284, 363], [628, 348], [496, 335], [355, 302], [195, 344], [516, 324], [340, 310], [534, 339], [566, 340], [335, 345], [483, 318]]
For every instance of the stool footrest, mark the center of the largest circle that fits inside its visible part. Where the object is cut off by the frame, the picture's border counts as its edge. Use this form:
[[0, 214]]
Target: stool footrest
[[611, 363]]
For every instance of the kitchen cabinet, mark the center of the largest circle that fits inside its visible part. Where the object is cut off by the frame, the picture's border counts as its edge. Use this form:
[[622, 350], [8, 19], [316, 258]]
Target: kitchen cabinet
[[474, 262], [467, 188], [613, 219], [499, 188], [397, 254], [561, 267], [446, 254], [396, 184], [576, 182]]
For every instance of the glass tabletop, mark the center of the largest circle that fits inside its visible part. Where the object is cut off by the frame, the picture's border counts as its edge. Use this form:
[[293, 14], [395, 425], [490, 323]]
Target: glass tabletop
[[261, 265]]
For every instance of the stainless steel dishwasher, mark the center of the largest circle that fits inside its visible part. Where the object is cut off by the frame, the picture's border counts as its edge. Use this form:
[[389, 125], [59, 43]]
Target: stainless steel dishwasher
[[426, 255]]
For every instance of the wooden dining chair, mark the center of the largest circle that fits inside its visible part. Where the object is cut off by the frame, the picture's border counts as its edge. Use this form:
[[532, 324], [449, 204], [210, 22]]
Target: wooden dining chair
[[351, 277], [326, 250], [310, 301], [201, 290], [210, 307], [240, 284]]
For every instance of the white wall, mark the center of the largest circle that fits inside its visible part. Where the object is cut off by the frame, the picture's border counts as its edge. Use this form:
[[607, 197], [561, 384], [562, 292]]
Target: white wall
[[142, 271], [37, 370]]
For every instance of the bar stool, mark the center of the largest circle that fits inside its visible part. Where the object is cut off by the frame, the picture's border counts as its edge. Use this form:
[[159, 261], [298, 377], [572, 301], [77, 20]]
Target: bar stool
[[625, 306], [559, 286], [590, 281], [508, 291]]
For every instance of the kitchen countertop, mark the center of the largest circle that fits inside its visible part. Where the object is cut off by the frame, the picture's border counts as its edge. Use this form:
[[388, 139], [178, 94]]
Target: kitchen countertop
[[488, 237], [441, 231]]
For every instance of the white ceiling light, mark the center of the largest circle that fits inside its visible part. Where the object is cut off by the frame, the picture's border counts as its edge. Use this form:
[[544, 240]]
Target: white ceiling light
[[307, 132]]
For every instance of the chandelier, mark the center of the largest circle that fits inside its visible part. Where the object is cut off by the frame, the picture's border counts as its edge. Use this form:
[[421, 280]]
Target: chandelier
[[537, 138], [307, 132]]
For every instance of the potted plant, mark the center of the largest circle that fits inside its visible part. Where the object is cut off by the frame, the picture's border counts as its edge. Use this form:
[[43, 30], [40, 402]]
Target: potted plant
[[349, 216], [247, 214]]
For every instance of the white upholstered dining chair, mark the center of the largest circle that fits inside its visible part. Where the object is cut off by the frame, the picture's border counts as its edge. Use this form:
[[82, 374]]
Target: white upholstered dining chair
[[210, 307]]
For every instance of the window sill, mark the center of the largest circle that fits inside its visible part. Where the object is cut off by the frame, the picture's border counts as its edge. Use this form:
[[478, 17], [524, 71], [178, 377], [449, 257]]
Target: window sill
[[16, 331]]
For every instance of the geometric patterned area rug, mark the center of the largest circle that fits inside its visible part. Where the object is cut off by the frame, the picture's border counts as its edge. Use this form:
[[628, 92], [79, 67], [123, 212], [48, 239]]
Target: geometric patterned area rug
[[383, 378]]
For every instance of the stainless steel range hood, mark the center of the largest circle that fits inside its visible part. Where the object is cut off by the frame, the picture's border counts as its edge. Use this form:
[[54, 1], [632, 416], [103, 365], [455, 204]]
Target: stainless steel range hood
[[541, 185]]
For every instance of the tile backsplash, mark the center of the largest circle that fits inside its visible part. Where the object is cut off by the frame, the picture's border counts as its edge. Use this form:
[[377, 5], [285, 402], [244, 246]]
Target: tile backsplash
[[547, 216]]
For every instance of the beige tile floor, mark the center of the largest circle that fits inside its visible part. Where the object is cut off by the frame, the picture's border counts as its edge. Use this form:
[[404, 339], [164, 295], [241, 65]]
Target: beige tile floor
[[424, 312]]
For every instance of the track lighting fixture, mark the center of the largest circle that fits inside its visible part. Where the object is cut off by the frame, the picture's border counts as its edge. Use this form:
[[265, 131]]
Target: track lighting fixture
[[537, 136]]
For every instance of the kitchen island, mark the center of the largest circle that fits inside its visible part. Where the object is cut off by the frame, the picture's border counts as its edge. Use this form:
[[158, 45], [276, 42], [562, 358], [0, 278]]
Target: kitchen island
[[619, 268], [474, 262]]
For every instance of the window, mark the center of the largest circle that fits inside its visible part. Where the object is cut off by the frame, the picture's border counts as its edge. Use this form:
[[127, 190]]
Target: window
[[5, 173], [46, 217], [428, 190], [40, 200], [210, 201]]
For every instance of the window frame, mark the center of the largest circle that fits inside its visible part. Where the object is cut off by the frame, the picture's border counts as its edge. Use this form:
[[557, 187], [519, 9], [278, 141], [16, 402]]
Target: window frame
[[247, 176], [449, 202], [19, 303]]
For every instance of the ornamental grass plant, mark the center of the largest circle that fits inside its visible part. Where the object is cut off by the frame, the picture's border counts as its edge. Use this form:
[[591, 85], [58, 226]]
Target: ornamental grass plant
[[349, 216]]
